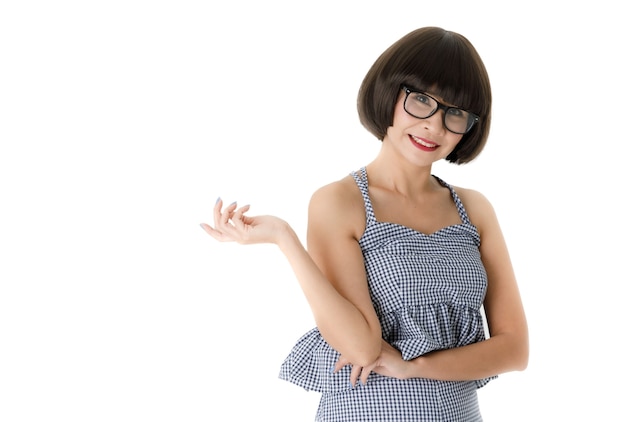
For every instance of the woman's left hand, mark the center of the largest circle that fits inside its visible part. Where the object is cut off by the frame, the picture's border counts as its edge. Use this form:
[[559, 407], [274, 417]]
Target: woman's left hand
[[389, 363]]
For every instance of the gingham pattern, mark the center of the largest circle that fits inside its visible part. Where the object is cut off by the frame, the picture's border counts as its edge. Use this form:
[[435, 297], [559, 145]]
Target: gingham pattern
[[427, 291]]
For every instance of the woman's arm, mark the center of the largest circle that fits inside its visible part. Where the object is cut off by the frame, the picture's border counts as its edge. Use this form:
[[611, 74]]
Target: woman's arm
[[331, 274], [336, 223]]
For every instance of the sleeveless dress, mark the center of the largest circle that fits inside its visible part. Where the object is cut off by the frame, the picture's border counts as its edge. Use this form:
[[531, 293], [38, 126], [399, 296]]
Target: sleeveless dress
[[427, 291]]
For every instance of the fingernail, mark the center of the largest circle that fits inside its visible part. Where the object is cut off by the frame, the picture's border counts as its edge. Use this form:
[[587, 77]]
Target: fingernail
[[232, 203], [217, 200]]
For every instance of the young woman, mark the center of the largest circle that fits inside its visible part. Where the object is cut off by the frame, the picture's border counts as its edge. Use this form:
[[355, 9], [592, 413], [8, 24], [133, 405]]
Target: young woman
[[399, 263]]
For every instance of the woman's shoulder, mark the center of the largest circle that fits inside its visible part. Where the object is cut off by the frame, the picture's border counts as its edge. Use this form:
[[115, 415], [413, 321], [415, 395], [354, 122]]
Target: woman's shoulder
[[478, 207], [340, 193], [473, 196], [339, 202]]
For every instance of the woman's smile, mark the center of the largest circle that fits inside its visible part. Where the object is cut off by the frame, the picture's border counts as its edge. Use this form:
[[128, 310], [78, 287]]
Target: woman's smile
[[423, 144]]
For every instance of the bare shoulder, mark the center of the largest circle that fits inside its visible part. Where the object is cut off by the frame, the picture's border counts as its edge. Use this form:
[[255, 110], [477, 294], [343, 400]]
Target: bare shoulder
[[479, 208], [339, 193], [338, 206]]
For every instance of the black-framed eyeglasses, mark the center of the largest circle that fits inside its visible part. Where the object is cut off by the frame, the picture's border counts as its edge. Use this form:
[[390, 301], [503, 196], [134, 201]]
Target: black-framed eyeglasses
[[421, 105]]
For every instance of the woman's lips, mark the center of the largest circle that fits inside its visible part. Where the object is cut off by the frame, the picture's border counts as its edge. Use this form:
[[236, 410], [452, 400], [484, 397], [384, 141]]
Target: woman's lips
[[423, 144]]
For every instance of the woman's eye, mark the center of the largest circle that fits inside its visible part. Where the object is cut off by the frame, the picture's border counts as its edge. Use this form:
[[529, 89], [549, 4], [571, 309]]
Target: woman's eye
[[422, 98], [456, 112]]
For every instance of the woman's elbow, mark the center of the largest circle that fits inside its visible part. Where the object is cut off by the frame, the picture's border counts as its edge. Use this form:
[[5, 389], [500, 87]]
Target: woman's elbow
[[367, 354], [523, 357], [520, 354]]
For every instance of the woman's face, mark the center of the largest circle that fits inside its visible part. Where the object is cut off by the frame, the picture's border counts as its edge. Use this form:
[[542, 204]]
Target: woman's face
[[421, 141]]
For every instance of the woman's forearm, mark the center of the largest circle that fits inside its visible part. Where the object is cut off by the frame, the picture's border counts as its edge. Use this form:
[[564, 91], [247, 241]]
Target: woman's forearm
[[496, 355], [341, 324]]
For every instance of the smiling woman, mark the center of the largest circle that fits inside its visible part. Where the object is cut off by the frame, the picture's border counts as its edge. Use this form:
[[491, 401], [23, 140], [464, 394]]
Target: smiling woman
[[122, 121], [397, 260]]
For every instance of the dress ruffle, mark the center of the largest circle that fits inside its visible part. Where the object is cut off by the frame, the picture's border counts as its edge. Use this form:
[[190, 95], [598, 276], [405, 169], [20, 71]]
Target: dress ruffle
[[414, 331]]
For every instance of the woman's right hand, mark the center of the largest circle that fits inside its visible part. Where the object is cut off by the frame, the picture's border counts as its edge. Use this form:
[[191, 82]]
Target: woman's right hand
[[230, 224]]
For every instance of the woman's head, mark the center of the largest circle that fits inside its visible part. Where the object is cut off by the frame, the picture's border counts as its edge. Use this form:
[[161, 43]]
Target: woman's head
[[436, 61]]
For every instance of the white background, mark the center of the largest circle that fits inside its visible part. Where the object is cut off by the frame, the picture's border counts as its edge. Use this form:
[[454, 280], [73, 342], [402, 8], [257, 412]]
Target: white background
[[121, 122]]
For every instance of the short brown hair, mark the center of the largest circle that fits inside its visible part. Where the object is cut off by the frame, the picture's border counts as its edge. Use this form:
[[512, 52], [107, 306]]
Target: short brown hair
[[437, 61]]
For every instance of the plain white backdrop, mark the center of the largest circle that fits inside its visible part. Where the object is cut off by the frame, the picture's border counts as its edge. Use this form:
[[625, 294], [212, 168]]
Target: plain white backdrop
[[121, 122]]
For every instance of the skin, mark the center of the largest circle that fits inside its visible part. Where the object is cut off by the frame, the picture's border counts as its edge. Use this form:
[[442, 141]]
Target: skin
[[331, 273]]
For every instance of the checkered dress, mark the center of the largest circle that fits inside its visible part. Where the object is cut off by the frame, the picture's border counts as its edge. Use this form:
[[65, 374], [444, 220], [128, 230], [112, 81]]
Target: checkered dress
[[427, 291]]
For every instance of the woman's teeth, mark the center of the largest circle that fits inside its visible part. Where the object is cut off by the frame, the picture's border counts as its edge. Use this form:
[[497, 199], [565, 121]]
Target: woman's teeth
[[422, 142]]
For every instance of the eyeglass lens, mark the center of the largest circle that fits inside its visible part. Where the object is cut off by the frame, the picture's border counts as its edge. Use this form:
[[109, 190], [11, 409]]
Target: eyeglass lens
[[423, 106]]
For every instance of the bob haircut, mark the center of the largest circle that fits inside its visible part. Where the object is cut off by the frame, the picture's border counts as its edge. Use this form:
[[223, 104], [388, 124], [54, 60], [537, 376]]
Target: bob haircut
[[436, 61]]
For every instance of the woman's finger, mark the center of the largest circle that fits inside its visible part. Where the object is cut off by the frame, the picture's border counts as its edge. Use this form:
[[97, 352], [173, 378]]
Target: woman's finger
[[219, 231], [341, 362], [365, 373], [354, 374], [217, 212], [227, 213], [237, 217], [215, 234]]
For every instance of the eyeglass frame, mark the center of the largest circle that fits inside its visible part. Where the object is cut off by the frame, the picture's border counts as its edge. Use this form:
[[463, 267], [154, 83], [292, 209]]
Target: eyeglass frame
[[473, 118]]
